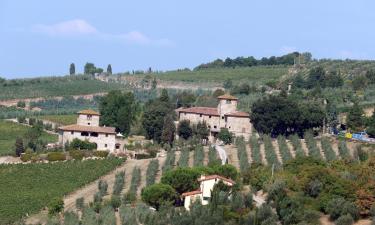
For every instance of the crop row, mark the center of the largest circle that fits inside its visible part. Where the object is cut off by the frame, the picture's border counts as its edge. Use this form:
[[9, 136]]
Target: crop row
[[242, 154], [169, 161], [198, 155], [151, 172], [270, 151], [327, 149], [283, 148], [184, 158], [255, 149]]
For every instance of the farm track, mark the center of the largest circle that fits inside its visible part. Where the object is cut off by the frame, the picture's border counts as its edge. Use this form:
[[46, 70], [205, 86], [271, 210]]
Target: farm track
[[263, 154]]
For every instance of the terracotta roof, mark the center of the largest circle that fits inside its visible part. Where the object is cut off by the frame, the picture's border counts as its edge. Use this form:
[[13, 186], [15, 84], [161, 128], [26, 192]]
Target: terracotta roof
[[89, 112], [75, 127], [238, 114], [227, 96], [200, 110], [196, 192], [211, 177]]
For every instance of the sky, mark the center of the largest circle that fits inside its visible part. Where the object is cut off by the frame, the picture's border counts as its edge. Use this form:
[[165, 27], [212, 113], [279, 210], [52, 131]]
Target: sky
[[41, 37]]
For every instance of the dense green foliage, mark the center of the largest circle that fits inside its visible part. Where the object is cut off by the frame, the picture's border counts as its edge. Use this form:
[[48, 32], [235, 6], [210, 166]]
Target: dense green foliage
[[169, 161], [296, 142], [159, 194], [242, 154], [37, 184], [277, 115], [255, 149], [151, 172], [181, 179], [184, 129], [225, 136], [283, 148], [198, 155], [118, 110], [270, 151]]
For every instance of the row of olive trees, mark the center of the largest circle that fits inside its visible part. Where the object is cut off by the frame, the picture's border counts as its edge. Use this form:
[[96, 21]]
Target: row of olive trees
[[151, 172], [242, 154]]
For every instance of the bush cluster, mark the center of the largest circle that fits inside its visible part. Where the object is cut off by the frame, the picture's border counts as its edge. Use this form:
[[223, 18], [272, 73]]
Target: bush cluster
[[56, 156]]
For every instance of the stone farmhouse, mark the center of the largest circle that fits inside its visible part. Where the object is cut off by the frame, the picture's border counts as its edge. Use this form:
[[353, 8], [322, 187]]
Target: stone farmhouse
[[225, 115], [206, 185], [87, 128]]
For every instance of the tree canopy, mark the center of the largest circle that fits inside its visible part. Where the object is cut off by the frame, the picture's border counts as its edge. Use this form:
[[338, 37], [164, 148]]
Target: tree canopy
[[118, 109]]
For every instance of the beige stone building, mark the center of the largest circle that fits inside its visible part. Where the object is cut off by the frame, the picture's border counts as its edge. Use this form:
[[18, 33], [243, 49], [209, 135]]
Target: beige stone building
[[206, 185], [225, 115], [87, 128]]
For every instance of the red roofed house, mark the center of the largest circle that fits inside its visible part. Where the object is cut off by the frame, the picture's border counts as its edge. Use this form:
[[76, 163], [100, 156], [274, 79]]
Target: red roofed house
[[87, 128], [225, 115], [206, 186]]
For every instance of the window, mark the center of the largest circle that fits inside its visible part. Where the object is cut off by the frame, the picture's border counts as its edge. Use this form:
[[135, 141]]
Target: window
[[89, 117], [106, 135], [228, 102], [84, 133], [215, 126], [209, 126], [222, 117], [209, 116], [206, 198], [88, 124], [71, 132], [94, 134], [105, 145], [200, 115]]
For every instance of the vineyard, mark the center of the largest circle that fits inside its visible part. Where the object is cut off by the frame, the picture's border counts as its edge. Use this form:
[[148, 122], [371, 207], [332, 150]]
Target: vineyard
[[37, 184]]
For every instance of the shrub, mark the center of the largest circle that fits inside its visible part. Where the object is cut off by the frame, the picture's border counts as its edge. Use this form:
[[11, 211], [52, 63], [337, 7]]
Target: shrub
[[327, 149], [311, 145], [313, 188], [181, 179], [296, 142], [159, 194], [76, 154], [345, 220], [343, 150], [115, 201], [212, 157], [198, 155], [119, 182], [339, 207], [56, 206], [79, 144], [70, 218], [101, 154], [284, 150], [225, 136], [255, 149], [56, 156], [184, 130], [80, 203], [169, 161], [25, 157], [107, 216], [89, 216], [270, 151], [184, 158], [242, 154], [102, 187], [151, 172]]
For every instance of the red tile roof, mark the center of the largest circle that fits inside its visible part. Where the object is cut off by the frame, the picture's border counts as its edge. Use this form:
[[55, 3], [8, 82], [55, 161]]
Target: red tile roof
[[89, 112], [200, 110], [227, 96], [196, 192], [238, 114], [80, 128], [211, 177]]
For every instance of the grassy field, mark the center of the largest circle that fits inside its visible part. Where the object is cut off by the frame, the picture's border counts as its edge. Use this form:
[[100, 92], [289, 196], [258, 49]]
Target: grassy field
[[256, 74], [49, 87], [27, 188], [10, 131], [60, 119]]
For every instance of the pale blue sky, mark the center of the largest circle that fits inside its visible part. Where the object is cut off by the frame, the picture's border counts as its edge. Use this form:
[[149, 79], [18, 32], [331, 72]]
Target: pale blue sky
[[40, 37]]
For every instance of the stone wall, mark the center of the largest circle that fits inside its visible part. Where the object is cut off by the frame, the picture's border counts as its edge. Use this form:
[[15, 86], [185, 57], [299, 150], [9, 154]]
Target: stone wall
[[88, 120]]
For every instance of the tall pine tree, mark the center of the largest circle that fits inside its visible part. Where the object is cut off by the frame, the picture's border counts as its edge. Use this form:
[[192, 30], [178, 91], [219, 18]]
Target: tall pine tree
[[109, 69], [72, 69]]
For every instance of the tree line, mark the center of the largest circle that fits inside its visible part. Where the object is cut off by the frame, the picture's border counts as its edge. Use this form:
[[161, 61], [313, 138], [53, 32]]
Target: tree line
[[288, 59]]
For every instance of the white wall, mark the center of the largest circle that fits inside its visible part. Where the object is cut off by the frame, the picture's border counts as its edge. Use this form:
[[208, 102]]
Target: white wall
[[102, 140]]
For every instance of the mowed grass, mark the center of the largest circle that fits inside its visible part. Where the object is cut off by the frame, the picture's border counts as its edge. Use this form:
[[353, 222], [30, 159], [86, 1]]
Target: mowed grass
[[9, 132], [257, 74], [27, 188], [60, 119]]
